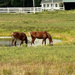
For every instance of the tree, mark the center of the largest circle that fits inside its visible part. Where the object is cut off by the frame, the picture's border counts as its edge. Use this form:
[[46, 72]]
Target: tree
[[19, 3], [28, 3], [37, 3], [4, 3], [16, 3]]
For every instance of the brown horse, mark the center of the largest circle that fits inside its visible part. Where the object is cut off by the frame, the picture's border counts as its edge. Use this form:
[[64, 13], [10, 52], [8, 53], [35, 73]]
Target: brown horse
[[17, 35], [41, 35]]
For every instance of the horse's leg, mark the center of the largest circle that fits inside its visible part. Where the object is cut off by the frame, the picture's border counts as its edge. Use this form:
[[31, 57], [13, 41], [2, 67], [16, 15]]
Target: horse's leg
[[43, 41], [15, 42], [12, 42], [21, 42], [33, 39]]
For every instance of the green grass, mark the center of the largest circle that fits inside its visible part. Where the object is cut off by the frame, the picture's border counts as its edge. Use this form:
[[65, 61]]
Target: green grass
[[45, 60], [41, 60], [60, 53], [54, 22]]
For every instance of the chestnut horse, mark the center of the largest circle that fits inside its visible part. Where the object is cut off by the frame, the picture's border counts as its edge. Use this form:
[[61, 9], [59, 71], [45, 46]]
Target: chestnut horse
[[41, 35], [18, 36]]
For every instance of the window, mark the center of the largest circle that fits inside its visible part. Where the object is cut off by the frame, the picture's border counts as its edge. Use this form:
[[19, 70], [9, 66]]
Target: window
[[56, 5], [47, 5], [44, 5], [51, 5]]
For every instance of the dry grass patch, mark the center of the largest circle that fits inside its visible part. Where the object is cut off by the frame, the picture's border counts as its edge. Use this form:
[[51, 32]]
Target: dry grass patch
[[46, 68]]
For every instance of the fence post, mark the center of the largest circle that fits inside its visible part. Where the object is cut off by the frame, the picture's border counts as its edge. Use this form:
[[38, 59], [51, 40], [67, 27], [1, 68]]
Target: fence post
[[20, 10], [8, 10], [34, 10]]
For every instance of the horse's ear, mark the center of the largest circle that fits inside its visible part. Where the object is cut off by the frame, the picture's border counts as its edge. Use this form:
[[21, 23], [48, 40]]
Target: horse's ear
[[51, 43]]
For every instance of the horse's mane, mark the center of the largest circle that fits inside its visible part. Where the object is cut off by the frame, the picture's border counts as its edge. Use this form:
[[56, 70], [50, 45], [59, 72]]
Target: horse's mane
[[49, 37]]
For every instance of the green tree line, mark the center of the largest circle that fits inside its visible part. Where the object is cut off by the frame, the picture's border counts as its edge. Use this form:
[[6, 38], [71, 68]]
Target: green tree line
[[19, 3]]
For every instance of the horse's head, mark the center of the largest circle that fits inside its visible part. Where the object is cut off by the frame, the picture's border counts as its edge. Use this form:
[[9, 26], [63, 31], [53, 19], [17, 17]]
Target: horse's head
[[51, 43]]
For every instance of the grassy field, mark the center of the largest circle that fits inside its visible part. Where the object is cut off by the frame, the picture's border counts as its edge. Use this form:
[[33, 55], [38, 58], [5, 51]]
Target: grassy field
[[41, 60]]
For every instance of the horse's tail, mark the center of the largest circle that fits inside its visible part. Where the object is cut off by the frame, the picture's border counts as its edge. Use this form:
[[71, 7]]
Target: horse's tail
[[26, 40]]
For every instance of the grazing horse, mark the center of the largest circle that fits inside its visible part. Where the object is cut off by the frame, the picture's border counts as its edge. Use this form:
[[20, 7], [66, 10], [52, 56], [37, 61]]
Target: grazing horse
[[18, 36], [41, 35]]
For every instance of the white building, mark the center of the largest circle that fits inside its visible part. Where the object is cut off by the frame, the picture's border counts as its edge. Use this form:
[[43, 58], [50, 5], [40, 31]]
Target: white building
[[52, 5]]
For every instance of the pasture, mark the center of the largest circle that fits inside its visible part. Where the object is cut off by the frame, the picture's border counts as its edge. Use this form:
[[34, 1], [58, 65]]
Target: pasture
[[41, 60]]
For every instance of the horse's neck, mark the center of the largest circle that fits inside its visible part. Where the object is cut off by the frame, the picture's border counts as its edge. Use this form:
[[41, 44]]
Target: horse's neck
[[49, 37]]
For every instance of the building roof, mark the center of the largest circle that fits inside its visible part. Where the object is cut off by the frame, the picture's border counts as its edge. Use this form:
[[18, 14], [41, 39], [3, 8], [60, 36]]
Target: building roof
[[49, 1], [68, 0]]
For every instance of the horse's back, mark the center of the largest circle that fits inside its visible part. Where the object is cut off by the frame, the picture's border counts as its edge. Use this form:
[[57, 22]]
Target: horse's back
[[38, 34], [18, 35]]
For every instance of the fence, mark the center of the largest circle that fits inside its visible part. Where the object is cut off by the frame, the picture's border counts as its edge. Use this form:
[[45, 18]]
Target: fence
[[20, 10], [25, 10]]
